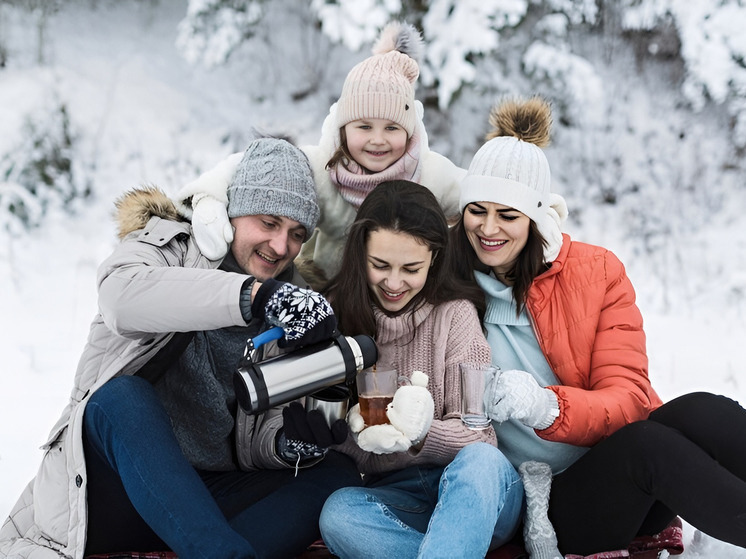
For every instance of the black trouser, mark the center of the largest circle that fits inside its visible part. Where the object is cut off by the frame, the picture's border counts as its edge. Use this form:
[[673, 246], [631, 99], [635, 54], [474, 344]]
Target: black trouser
[[687, 459]]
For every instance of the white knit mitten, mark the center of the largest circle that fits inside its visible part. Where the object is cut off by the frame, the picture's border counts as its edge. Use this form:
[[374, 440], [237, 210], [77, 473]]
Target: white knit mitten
[[411, 411], [355, 419], [516, 395], [539, 537], [383, 439]]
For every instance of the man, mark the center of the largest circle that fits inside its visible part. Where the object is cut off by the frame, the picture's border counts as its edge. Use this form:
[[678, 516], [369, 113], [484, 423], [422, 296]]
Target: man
[[152, 452]]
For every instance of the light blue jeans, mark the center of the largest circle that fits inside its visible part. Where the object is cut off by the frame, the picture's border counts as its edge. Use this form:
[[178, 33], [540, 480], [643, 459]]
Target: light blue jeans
[[463, 510]]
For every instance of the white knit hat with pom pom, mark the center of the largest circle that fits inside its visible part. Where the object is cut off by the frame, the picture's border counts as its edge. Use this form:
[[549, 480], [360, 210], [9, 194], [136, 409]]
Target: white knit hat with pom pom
[[382, 86], [511, 169]]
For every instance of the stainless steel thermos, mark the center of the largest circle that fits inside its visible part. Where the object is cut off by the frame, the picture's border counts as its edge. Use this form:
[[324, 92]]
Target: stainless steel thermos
[[260, 386]]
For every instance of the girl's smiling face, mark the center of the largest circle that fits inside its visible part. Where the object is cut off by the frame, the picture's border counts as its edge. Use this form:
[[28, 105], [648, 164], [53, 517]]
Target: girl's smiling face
[[374, 143], [398, 265], [497, 233]]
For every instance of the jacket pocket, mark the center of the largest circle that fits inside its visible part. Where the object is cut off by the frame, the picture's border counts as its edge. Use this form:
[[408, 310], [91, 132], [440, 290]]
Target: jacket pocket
[[52, 489]]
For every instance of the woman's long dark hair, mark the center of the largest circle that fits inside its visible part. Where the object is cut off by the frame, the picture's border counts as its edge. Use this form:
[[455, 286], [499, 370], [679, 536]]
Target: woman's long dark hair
[[529, 264], [406, 207]]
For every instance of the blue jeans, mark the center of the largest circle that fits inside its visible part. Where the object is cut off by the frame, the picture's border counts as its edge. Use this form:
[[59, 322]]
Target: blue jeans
[[144, 495], [472, 505]]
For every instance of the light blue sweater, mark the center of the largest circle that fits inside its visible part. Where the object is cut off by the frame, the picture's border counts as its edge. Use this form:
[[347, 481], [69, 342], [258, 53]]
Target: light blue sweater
[[514, 346]]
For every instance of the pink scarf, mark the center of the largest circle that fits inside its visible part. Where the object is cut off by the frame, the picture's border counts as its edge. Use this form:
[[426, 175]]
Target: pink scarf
[[354, 183]]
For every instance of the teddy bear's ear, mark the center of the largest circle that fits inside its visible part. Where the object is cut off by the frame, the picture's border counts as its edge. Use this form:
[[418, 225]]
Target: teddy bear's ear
[[419, 379]]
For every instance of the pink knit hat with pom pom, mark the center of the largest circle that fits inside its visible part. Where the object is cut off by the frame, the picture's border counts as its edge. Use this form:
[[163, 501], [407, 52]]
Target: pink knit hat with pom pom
[[382, 86]]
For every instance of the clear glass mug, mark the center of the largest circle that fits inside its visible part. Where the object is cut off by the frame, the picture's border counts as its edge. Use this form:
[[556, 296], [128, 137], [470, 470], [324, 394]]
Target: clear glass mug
[[375, 388], [474, 379]]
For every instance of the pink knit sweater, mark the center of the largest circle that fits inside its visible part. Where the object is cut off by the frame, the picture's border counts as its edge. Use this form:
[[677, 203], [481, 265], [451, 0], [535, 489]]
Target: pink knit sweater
[[436, 341]]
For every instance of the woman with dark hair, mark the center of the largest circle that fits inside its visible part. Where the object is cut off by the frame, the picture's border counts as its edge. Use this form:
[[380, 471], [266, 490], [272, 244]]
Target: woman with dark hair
[[405, 209], [574, 393], [425, 471]]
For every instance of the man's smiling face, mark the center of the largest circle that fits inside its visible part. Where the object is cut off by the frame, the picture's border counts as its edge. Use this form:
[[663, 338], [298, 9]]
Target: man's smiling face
[[265, 245]]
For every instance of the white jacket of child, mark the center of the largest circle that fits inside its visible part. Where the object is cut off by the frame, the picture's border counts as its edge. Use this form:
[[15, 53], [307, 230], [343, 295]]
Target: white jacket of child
[[439, 174]]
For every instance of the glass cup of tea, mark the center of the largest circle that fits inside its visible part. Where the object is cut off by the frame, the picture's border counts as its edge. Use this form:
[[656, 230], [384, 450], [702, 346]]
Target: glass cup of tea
[[474, 379], [375, 387]]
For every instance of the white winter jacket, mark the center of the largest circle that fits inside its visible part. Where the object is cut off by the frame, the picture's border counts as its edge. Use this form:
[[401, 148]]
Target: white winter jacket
[[144, 289], [439, 175]]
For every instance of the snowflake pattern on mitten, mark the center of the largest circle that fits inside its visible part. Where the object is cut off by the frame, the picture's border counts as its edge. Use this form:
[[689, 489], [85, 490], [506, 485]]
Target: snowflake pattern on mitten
[[303, 314]]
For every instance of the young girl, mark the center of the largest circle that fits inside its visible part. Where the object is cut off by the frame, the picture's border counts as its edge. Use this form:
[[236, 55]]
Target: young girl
[[563, 325], [398, 286], [373, 133]]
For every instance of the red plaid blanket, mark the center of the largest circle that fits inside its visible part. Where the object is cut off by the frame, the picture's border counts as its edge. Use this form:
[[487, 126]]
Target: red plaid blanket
[[647, 547]]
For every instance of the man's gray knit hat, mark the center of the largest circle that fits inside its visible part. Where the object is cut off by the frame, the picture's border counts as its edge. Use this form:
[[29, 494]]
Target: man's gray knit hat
[[274, 178]]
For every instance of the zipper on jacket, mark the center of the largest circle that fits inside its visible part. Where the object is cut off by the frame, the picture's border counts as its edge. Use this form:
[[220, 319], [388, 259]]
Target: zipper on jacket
[[538, 336]]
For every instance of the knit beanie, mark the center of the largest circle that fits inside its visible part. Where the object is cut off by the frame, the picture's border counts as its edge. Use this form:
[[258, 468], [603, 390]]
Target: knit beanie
[[274, 178], [382, 86], [511, 169]]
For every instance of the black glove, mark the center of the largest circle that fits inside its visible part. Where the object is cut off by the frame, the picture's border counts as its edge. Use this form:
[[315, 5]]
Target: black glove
[[306, 435], [305, 315], [311, 426]]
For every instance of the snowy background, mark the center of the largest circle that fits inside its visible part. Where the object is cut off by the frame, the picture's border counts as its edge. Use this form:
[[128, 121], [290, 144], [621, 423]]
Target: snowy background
[[99, 96]]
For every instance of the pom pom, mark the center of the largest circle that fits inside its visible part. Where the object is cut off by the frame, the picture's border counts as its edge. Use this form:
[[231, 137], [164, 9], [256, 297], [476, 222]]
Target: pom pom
[[401, 37], [528, 120]]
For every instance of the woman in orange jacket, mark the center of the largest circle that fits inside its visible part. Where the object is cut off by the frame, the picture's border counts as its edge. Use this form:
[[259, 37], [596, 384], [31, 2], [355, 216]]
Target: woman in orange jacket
[[574, 392]]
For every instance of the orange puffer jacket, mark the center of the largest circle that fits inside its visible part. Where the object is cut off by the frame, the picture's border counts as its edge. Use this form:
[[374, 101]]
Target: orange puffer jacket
[[590, 330]]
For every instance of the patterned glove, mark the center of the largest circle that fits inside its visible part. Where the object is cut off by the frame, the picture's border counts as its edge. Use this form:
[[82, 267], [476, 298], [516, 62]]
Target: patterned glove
[[305, 315], [306, 435], [311, 426], [516, 395], [211, 226], [411, 411]]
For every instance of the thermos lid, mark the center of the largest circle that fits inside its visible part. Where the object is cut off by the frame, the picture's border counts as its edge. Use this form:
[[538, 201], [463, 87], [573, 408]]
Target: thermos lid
[[368, 348]]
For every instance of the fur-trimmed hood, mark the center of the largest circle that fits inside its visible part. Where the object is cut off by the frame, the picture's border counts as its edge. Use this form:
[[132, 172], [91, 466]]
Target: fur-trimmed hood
[[135, 208]]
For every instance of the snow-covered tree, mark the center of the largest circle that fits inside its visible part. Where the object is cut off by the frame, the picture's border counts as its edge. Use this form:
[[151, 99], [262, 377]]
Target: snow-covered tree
[[713, 47], [636, 86], [39, 170], [355, 23], [213, 29], [42, 10]]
